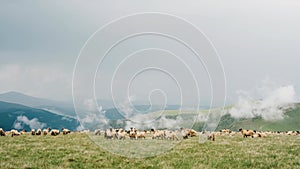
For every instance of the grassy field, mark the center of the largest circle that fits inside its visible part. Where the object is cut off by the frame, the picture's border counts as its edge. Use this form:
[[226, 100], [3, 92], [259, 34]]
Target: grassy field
[[79, 151]]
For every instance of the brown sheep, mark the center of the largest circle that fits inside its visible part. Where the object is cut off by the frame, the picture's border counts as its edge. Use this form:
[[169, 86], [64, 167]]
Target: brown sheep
[[211, 136], [192, 133], [247, 133], [46, 131]]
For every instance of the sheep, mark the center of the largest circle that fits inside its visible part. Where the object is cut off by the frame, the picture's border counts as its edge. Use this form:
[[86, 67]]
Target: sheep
[[14, 133], [261, 134], [121, 134], [2, 132], [188, 132], [225, 131], [65, 131], [292, 133], [247, 133], [97, 132], [211, 136], [158, 134], [110, 133], [54, 132], [33, 132], [141, 134], [132, 133], [38, 132], [192, 133], [171, 135], [184, 133], [23, 132], [46, 131]]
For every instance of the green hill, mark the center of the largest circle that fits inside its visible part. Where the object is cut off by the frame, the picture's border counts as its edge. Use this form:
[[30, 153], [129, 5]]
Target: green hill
[[29, 117], [291, 120]]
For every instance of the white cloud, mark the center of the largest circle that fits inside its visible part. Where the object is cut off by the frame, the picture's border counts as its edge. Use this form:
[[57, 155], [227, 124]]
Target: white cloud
[[42, 81], [33, 123], [271, 106]]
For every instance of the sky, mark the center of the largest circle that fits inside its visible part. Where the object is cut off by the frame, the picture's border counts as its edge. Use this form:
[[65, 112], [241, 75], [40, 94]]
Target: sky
[[40, 42]]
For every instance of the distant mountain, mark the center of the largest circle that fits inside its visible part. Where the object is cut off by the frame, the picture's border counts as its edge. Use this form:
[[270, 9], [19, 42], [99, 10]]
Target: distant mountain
[[23, 117], [117, 114], [58, 107]]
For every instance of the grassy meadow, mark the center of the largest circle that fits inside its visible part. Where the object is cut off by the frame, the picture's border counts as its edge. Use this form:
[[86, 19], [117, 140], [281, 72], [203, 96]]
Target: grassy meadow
[[79, 151]]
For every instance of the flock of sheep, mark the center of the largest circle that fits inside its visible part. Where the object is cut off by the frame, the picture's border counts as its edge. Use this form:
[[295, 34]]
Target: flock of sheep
[[133, 133], [52, 132]]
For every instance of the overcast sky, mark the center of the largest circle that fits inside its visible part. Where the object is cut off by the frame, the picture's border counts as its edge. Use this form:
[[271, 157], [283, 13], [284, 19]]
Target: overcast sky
[[40, 41]]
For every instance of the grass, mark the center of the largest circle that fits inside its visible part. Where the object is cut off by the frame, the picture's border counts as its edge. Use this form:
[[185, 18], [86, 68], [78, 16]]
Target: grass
[[79, 151]]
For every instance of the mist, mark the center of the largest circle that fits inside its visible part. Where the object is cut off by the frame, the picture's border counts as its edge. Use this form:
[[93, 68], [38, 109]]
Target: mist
[[270, 104]]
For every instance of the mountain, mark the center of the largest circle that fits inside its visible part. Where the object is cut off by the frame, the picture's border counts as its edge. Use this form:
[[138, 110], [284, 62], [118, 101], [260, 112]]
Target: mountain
[[58, 107], [291, 121], [23, 117], [116, 114]]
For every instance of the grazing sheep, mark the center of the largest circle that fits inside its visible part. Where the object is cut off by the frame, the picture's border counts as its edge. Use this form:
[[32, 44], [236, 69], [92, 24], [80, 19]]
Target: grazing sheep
[[14, 133], [2, 132], [121, 134], [54, 132], [184, 133], [97, 132], [132, 133], [192, 133], [225, 131], [292, 133], [23, 132], [247, 133], [158, 134], [171, 135], [46, 131], [110, 133], [188, 133], [211, 136], [141, 134], [38, 132], [65, 131], [261, 134], [33, 132]]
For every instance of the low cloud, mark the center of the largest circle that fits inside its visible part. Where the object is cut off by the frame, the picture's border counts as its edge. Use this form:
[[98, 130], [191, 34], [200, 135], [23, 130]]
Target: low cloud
[[273, 102], [33, 123]]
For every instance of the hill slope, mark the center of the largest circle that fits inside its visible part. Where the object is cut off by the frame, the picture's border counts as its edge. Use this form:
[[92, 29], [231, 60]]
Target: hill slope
[[23, 117]]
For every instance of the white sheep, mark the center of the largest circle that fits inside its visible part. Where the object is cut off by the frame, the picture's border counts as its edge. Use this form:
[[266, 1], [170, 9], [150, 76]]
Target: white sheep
[[54, 132], [65, 131], [38, 132], [2, 132], [14, 133]]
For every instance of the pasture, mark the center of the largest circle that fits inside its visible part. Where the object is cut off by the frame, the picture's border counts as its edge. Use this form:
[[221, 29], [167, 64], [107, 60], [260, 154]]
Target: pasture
[[77, 150]]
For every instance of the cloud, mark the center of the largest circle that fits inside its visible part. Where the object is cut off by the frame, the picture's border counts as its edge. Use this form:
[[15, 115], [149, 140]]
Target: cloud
[[272, 105], [38, 80], [33, 123]]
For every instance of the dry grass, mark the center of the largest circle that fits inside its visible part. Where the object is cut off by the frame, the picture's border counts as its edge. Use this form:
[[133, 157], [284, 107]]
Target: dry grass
[[79, 151]]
